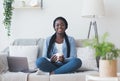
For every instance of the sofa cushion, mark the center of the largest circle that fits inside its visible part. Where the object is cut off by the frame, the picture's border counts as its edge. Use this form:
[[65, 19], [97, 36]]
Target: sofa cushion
[[25, 51], [15, 76], [34, 77], [80, 76], [86, 54], [3, 63], [27, 42]]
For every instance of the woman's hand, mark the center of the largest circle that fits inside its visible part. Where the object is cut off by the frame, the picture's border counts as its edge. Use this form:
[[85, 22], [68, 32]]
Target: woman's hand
[[60, 58], [53, 58], [56, 58]]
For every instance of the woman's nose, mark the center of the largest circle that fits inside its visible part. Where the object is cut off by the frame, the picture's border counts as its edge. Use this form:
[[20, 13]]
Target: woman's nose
[[60, 26]]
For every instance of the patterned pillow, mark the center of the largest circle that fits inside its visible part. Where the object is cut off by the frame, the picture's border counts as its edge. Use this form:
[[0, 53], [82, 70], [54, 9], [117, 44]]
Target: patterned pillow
[[3, 63]]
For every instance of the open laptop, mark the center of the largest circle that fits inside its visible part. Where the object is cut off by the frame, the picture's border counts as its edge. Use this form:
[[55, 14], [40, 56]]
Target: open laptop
[[19, 64]]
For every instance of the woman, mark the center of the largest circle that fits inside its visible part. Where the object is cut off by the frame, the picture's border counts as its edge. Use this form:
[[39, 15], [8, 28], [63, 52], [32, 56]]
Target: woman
[[59, 43]]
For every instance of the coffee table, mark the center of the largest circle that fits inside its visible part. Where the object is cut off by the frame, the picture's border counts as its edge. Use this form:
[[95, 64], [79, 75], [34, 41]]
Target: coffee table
[[96, 77]]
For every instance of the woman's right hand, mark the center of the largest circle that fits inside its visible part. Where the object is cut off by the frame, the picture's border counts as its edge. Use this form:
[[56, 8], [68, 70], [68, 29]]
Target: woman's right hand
[[53, 58]]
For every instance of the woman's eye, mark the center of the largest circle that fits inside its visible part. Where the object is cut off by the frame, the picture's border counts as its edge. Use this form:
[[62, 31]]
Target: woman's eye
[[60, 25], [57, 25]]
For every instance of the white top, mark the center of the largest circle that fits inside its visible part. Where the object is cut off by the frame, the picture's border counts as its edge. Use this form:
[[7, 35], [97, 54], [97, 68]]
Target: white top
[[59, 47]]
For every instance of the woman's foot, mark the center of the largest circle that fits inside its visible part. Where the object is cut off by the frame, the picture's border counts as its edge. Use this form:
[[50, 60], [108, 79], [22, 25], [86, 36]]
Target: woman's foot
[[52, 73], [39, 72]]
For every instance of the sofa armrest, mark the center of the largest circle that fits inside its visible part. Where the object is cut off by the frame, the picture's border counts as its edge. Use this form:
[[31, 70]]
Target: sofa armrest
[[27, 42], [5, 51], [3, 63]]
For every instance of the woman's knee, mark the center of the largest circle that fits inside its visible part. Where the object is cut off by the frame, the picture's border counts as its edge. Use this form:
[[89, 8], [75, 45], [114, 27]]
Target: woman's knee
[[40, 61], [77, 61]]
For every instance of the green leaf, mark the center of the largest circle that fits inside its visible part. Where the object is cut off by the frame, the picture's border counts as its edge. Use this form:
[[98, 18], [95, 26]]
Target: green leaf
[[7, 5]]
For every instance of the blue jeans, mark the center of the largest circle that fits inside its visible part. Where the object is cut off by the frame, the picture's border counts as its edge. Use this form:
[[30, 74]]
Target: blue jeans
[[67, 66]]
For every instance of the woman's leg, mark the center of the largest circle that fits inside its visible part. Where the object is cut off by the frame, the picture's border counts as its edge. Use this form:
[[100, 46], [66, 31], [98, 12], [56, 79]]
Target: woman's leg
[[72, 65], [45, 65]]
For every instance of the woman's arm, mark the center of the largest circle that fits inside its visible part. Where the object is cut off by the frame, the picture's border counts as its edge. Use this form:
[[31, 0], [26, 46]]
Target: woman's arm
[[73, 51], [45, 49]]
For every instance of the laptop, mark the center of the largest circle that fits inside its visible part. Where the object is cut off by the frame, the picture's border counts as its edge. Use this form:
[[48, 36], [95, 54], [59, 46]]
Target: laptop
[[19, 64]]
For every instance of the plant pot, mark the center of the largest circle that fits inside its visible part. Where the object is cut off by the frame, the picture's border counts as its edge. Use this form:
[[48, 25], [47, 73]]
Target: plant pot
[[108, 68]]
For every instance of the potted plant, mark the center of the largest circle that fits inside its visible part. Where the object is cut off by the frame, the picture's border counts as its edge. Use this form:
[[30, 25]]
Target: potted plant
[[108, 54], [7, 5]]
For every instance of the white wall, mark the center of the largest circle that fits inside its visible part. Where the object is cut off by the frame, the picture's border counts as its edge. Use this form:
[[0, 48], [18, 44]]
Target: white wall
[[36, 23]]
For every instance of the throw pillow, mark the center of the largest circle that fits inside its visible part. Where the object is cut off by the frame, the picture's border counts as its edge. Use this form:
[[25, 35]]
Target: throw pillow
[[25, 51], [86, 54], [3, 63]]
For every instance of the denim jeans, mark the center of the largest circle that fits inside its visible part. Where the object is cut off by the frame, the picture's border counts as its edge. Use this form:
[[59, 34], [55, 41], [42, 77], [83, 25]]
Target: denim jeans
[[59, 68]]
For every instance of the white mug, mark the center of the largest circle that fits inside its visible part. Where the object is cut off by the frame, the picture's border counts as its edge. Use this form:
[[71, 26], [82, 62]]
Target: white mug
[[58, 55]]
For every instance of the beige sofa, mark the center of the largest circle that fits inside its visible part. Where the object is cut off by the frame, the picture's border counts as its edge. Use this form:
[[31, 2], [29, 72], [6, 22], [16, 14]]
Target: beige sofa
[[20, 76]]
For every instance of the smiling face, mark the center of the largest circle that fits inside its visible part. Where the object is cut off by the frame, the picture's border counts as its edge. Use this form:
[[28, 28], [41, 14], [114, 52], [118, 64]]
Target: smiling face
[[60, 26]]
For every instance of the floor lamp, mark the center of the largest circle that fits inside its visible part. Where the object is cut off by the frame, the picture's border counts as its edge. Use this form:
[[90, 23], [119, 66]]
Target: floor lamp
[[95, 29], [93, 9]]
